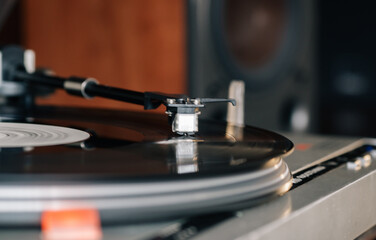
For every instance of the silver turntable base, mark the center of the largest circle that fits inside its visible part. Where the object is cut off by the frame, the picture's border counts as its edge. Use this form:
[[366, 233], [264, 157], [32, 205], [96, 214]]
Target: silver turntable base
[[339, 204]]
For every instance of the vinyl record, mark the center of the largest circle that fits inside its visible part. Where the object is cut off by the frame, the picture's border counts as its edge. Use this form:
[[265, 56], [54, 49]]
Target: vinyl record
[[133, 168]]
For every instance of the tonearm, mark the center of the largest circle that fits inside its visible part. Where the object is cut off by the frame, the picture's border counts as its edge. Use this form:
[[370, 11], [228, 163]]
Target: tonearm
[[17, 73]]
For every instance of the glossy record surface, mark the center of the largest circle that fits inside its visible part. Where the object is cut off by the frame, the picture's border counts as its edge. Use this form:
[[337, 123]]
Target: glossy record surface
[[140, 144], [133, 168]]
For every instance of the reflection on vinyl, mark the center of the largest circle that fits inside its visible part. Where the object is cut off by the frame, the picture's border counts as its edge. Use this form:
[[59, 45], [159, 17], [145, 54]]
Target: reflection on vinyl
[[133, 168]]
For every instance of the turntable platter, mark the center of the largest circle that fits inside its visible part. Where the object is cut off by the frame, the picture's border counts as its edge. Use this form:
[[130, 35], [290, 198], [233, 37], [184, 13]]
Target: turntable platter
[[132, 166]]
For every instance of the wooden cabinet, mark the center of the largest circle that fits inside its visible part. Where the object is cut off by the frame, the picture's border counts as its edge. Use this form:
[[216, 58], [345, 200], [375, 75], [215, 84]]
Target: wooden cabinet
[[134, 44]]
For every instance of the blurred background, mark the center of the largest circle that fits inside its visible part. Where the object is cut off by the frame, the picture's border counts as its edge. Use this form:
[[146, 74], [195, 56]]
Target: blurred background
[[308, 65]]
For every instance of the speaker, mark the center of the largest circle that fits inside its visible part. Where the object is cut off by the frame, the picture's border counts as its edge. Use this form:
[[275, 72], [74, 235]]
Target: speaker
[[269, 44]]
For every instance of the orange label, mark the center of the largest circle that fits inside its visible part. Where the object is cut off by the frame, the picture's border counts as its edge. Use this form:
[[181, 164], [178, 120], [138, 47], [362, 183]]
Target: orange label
[[79, 224]]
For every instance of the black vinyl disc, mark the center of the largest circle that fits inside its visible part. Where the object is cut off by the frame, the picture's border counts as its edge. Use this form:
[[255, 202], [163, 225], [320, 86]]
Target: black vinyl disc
[[133, 157], [140, 144]]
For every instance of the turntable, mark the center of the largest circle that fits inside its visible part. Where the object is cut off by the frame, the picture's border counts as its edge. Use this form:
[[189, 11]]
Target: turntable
[[168, 176]]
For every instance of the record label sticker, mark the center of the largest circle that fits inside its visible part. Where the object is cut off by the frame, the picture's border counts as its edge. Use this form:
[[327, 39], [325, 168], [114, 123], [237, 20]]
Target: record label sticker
[[35, 135]]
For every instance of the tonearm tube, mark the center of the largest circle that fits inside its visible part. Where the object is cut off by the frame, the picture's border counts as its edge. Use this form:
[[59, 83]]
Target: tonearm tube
[[17, 71]]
